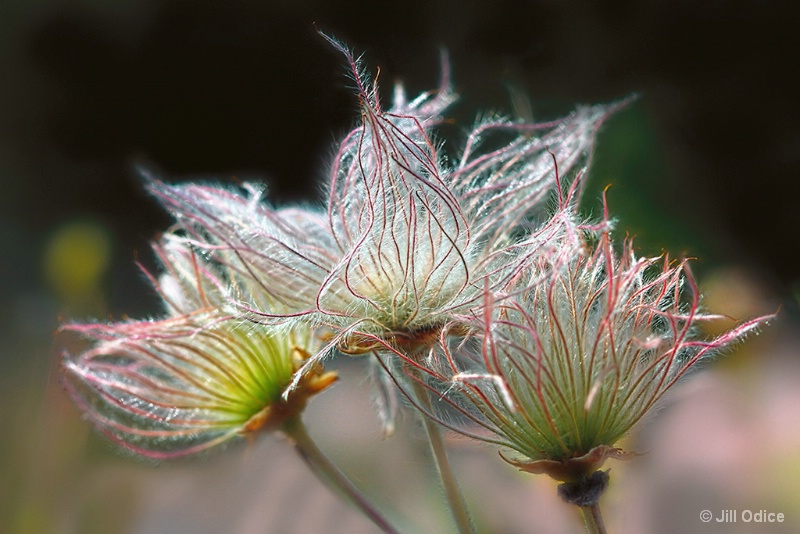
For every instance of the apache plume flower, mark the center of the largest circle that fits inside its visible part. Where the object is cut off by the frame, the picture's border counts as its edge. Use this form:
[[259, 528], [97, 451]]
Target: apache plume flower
[[565, 367], [182, 384], [419, 237], [409, 239]]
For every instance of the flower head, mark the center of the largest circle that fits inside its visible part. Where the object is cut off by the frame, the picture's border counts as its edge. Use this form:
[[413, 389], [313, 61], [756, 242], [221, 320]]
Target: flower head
[[421, 236], [409, 238], [580, 352], [184, 383]]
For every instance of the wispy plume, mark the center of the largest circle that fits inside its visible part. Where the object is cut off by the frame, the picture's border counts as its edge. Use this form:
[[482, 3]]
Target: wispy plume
[[408, 238], [561, 370], [195, 378]]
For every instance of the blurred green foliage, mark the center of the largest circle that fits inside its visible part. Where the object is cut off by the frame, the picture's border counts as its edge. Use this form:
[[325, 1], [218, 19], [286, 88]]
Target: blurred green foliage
[[630, 165]]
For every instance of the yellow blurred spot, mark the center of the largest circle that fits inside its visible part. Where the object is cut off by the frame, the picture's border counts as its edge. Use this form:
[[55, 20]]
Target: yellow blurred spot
[[736, 293], [75, 260]]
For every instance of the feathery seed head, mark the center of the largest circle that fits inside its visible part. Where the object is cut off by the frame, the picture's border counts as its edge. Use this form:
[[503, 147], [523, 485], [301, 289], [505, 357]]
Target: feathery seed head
[[567, 365], [179, 385], [420, 237], [409, 239]]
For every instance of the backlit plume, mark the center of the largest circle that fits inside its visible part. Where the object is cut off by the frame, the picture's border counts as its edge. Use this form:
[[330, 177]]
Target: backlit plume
[[582, 349], [409, 238], [195, 378]]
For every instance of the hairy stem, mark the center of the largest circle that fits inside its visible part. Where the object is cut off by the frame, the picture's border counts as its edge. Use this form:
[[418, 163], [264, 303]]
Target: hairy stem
[[455, 499], [295, 430]]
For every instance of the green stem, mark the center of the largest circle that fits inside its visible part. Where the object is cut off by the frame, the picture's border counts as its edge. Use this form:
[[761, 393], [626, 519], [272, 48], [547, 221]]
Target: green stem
[[455, 499], [295, 430], [593, 519]]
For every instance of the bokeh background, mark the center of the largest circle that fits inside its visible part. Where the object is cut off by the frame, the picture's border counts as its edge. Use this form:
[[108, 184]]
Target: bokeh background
[[704, 164]]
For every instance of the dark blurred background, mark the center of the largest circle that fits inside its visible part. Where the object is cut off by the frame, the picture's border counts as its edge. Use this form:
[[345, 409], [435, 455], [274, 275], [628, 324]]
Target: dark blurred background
[[705, 163]]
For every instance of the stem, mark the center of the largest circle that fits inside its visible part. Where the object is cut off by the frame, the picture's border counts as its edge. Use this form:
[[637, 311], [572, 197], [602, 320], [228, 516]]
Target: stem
[[593, 519], [455, 499], [326, 471]]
